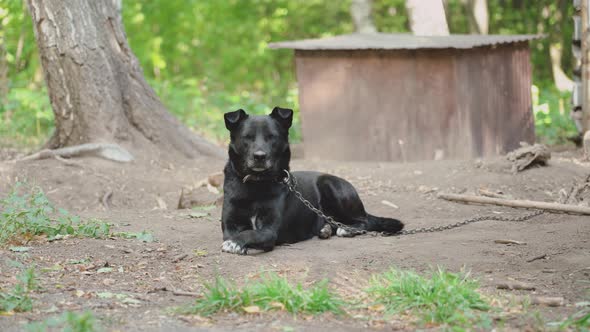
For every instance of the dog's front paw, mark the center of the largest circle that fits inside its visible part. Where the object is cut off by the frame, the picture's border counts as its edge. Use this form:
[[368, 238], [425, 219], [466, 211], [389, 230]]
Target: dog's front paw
[[325, 232], [233, 248]]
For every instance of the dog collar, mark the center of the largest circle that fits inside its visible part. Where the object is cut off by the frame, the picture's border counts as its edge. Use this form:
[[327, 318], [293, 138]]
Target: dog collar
[[286, 178]]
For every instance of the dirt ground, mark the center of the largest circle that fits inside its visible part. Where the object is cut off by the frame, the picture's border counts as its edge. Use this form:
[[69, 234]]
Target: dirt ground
[[187, 252]]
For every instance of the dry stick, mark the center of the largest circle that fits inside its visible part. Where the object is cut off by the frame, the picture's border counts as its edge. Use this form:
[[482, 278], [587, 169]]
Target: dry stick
[[548, 301], [517, 203], [183, 293], [536, 258]]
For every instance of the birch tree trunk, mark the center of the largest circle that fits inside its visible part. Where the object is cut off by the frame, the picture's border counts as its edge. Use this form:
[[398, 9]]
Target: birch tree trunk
[[478, 16], [360, 10], [427, 17], [97, 89]]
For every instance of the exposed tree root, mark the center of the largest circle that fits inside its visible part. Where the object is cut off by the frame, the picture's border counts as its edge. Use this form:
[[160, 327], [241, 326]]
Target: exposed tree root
[[107, 151]]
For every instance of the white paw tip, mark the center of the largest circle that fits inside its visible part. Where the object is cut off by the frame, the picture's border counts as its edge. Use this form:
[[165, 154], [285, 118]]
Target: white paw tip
[[342, 232], [233, 248]]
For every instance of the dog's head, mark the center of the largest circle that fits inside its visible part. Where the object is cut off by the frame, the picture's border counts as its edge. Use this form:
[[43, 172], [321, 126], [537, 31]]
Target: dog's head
[[259, 145]]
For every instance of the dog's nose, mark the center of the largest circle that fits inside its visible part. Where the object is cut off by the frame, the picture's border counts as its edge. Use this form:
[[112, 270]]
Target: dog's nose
[[259, 155]]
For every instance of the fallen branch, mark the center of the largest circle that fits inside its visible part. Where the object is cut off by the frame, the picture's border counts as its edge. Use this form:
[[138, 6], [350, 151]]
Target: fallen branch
[[104, 150], [515, 285], [548, 301], [517, 203]]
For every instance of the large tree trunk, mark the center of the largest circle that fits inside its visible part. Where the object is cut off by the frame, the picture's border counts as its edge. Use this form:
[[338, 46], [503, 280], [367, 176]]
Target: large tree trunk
[[427, 17], [360, 10], [96, 86]]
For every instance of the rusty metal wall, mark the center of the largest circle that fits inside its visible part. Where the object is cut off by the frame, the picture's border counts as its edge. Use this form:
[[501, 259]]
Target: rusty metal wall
[[412, 104]]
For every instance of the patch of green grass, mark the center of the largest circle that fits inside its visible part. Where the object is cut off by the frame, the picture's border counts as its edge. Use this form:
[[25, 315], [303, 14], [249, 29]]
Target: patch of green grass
[[441, 298], [270, 293], [579, 321], [68, 322], [18, 299], [30, 213]]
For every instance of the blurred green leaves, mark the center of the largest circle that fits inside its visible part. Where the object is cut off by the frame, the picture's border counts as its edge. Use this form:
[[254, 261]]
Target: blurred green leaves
[[207, 57]]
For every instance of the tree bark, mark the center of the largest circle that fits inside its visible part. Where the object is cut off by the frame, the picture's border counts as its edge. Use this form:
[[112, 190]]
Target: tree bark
[[585, 67], [360, 10], [427, 17], [562, 81], [96, 86], [478, 16]]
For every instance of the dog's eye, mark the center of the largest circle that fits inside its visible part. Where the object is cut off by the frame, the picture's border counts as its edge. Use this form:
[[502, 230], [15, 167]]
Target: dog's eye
[[249, 137], [270, 137]]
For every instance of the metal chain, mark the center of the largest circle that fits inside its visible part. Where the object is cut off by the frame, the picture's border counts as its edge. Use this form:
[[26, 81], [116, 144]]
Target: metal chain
[[291, 184], [469, 221]]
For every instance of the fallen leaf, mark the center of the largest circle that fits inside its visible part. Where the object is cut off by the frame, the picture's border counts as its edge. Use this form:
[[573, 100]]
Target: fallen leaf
[[80, 293], [105, 295], [277, 305], [200, 253], [145, 237], [203, 208], [253, 309], [212, 189], [197, 214], [131, 301], [108, 282], [56, 238], [19, 249], [377, 307], [105, 270], [388, 203], [161, 204], [53, 268], [78, 261], [502, 241], [6, 313]]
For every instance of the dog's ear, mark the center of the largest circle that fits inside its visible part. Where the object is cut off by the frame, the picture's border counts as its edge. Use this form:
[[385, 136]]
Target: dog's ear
[[283, 115], [233, 119]]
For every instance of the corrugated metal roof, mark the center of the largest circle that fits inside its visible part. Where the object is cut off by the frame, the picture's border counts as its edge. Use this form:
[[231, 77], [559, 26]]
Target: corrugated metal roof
[[385, 41]]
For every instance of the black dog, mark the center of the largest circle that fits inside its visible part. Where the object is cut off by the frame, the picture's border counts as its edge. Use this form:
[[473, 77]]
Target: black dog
[[259, 211]]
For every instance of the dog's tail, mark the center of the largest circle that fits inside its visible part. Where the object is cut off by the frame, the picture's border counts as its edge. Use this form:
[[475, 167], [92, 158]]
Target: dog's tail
[[386, 225]]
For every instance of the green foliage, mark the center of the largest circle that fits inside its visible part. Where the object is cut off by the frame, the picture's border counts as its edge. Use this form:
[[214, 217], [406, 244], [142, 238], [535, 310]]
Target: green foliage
[[441, 298], [26, 117], [68, 322], [553, 124], [580, 321], [30, 213], [270, 293], [205, 58], [18, 299]]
